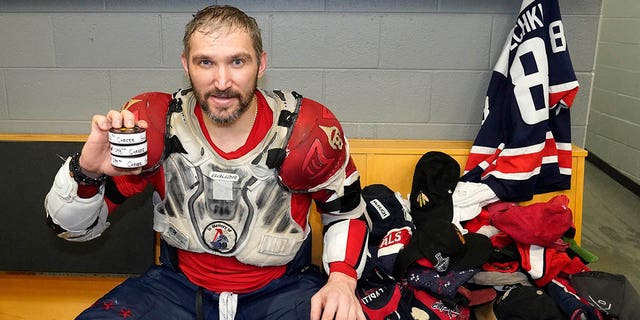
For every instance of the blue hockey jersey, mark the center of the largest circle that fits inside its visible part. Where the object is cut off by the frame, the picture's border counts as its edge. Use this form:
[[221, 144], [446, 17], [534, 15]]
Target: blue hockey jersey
[[524, 143]]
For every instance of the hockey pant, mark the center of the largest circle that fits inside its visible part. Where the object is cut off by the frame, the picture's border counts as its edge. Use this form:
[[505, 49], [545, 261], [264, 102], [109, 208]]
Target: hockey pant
[[164, 293]]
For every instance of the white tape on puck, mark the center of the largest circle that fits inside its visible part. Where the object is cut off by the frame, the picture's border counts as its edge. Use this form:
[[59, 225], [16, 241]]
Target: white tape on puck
[[133, 135], [128, 150], [129, 162]]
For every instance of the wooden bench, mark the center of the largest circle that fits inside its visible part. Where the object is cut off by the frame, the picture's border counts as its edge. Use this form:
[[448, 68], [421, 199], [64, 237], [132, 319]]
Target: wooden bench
[[392, 163], [50, 297], [389, 162]]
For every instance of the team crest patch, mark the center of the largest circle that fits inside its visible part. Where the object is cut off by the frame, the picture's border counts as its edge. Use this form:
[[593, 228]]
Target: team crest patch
[[334, 137], [422, 199], [220, 237]]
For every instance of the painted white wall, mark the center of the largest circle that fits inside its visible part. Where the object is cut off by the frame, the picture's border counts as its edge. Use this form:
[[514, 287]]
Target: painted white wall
[[614, 118]]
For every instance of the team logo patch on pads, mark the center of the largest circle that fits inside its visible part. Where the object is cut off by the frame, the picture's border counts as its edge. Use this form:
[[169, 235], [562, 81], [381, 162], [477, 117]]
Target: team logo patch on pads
[[220, 236], [334, 137]]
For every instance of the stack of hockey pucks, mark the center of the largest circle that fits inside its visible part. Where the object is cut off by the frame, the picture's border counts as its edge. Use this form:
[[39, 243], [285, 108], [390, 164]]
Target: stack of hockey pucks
[[128, 147]]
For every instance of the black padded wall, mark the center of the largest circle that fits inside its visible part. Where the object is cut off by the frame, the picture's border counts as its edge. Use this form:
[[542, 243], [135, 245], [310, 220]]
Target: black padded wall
[[28, 244]]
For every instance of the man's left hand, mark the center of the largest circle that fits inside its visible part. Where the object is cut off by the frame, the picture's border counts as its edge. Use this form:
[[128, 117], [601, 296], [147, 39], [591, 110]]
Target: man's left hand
[[337, 300]]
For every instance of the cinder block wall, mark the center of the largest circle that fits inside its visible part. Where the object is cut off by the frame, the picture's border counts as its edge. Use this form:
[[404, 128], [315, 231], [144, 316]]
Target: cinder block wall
[[415, 69], [614, 119]]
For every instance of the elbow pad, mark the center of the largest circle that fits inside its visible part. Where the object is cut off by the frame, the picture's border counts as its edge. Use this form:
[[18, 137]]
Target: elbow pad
[[338, 247], [82, 219]]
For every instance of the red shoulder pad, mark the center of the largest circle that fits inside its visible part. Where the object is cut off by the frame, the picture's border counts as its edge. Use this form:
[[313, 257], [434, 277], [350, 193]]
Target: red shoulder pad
[[151, 107], [316, 149]]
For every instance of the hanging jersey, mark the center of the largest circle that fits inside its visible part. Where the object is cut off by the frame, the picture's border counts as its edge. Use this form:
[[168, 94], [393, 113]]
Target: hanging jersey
[[524, 143]]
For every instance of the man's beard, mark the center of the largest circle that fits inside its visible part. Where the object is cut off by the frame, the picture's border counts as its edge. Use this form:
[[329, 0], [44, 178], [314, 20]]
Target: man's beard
[[244, 101]]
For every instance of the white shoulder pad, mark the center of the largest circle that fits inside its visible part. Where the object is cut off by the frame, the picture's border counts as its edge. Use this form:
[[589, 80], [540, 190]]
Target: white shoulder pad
[[83, 219]]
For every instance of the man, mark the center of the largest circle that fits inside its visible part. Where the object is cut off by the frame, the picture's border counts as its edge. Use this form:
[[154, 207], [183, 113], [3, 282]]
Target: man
[[235, 169]]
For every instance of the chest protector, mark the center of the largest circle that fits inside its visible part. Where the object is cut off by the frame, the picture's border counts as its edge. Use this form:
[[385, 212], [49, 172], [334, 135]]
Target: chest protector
[[228, 207]]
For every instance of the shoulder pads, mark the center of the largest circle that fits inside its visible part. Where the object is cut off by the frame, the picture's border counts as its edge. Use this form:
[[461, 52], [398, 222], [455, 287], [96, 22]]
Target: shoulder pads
[[316, 150], [151, 107]]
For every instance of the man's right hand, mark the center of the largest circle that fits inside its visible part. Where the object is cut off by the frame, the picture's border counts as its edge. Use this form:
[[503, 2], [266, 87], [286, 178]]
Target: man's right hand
[[95, 158]]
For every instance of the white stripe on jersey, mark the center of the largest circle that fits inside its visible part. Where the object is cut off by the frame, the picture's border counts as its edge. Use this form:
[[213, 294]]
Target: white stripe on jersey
[[563, 103], [549, 159], [482, 150], [484, 165], [563, 146], [565, 171], [536, 148], [567, 86], [515, 176]]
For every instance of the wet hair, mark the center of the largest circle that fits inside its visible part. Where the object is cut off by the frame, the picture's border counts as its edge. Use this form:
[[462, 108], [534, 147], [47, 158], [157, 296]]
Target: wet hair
[[216, 17]]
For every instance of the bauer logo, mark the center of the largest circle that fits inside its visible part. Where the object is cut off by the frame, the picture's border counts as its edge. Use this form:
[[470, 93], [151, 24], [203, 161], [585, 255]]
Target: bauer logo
[[223, 176], [382, 211]]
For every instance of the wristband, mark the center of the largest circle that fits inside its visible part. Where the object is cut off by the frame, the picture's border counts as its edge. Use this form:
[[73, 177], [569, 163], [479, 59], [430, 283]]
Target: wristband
[[78, 176]]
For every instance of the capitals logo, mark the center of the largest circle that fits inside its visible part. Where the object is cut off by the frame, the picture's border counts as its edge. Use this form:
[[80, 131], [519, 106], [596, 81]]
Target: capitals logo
[[220, 236]]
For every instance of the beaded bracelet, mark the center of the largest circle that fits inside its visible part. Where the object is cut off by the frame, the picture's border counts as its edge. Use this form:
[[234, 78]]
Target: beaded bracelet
[[78, 176]]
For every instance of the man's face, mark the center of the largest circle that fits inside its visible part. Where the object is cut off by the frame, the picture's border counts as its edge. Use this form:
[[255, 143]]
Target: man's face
[[224, 71]]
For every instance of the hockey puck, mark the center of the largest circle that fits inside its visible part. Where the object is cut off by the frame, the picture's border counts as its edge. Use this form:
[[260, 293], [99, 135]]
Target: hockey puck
[[127, 136], [127, 150], [128, 147], [129, 162]]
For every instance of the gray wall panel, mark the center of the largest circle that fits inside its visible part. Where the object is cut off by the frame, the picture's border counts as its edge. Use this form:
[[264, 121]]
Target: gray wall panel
[[356, 56]]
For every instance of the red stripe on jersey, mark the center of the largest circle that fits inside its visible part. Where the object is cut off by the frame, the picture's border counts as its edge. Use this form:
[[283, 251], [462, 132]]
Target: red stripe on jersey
[[519, 164], [475, 159], [565, 159], [567, 97], [549, 147]]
